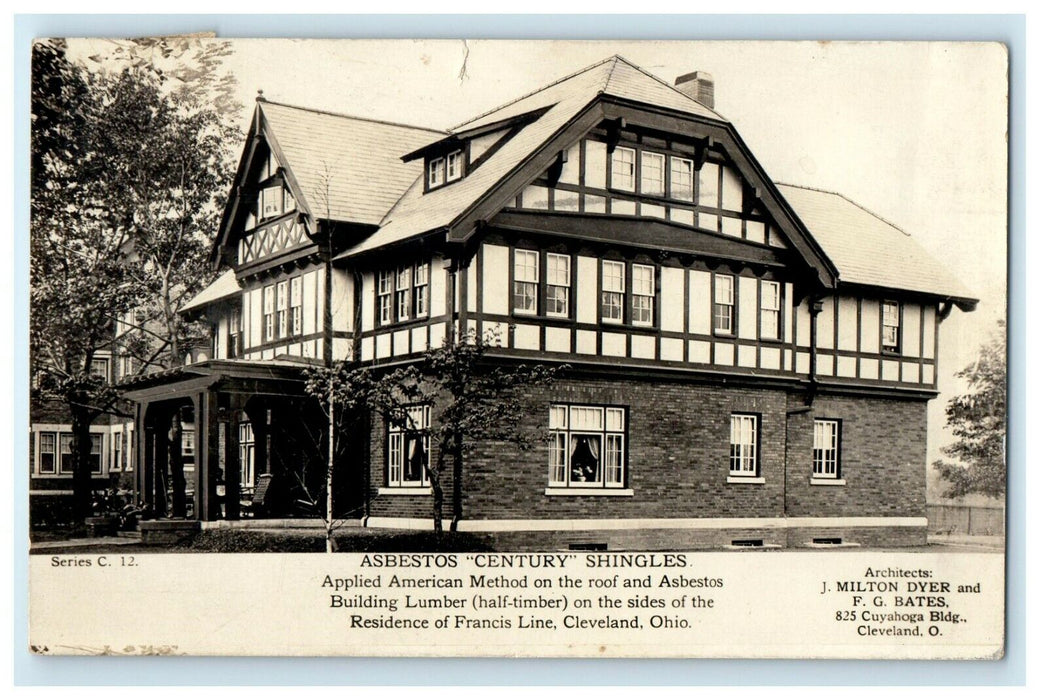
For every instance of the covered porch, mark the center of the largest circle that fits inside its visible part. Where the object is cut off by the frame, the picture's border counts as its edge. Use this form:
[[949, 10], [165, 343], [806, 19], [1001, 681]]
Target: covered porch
[[258, 443]]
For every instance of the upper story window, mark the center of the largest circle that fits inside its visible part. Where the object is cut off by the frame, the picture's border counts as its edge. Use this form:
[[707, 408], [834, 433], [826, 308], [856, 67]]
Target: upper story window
[[586, 446], [296, 306], [100, 368], [681, 179], [652, 174], [770, 309], [623, 169], [639, 286], [411, 286], [643, 295], [268, 309], [612, 294], [723, 304], [274, 201], [233, 343], [282, 308], [826, 449], [446, 169], [891, 324], [408, 453], [558, 284], [745, 432], [525, 282]]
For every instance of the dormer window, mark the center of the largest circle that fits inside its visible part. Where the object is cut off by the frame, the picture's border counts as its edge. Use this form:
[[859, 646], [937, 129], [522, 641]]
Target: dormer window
[[446, 169], [274, 201]]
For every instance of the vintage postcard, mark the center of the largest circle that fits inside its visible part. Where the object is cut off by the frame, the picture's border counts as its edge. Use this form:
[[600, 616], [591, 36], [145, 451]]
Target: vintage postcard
[[663, 349]]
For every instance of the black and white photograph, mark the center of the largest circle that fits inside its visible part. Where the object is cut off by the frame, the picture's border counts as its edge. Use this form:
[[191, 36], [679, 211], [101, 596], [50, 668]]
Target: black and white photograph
[[529, 348]]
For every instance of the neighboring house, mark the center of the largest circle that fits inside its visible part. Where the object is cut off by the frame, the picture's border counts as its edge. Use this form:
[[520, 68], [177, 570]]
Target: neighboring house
[[749, 362]]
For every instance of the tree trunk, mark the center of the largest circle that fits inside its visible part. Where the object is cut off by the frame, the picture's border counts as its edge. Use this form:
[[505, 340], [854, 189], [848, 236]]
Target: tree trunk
[[174, 451], [81, 456], [438, 494], [456, 480], [329, 485]]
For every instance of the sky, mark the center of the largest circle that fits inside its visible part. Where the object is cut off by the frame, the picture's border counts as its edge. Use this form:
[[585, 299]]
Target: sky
[[916, 132]]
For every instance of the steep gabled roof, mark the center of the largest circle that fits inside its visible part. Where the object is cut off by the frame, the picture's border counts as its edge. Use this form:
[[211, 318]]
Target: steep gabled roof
[[868, 250], [564, 99], [347, 168]]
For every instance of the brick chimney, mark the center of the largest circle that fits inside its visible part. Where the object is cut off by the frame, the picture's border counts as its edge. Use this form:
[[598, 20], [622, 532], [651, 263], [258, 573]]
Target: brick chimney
[[698, 85]]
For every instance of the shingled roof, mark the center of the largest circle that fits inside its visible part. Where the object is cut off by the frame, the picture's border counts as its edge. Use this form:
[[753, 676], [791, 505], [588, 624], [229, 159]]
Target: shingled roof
[[868, 250], [348, 168]]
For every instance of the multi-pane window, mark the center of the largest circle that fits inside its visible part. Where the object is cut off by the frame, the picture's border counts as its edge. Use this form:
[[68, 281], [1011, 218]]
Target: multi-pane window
[[96, 453], [826, 449], [652, 173], [268, 307], [744, 440], [890, 326], [557, 284], [100, 368], [612, 294], [525, 282], [723, 304], [65, 444], [233, 346], [409, 448], [296, 306], [770, 309], [272, 201], [643, 295], [385, 296], [281, 309], [421, 289], [586, 446], [47, 453], [246, 453], [623, 169], [118, 451], [436, 172], [681, 179], [403, 293], [454, 166]]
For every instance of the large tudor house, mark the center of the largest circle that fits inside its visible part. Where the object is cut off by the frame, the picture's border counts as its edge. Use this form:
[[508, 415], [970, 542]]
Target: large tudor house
[[749, 362]]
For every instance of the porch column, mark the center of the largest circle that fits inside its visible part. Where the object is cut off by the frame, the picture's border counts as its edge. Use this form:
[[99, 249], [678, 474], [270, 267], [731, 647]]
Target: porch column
[[207, 459], [139, 453]]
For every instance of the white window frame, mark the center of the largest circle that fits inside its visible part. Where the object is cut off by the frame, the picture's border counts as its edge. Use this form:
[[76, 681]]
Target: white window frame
[[723, 300], [282, 309], [268, 309], [271, 202], [454, 165], [642, 296], [525, 281], [679, 190], [610, 428], [421, 290], [825, 461], [404, 276], [651, 163], [40, 452], [384, 288], [623, 170], [245, 445], [612, 291], [437, 172], [100, 368], [557, 285], [891, 312], [745, 445], [416, 427], [770, 310]]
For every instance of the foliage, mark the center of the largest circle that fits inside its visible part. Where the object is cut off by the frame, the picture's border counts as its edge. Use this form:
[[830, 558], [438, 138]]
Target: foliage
[[979, 420]]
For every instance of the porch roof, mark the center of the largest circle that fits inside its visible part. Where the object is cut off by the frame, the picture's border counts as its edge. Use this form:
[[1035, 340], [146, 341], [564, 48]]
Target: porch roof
[[200, 375]]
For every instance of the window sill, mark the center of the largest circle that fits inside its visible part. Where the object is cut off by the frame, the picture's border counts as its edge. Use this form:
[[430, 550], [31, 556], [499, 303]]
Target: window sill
[[815, 481], [746, 480], [577, 491], [405, 491]]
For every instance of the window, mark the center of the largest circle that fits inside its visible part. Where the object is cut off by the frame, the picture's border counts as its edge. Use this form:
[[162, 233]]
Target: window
[[586, 446], [296, 306], [436, 172], [385, 297], [268, 302], [744, 430], [409, 448], [246, 444], [681, 180], [47, 453], [454, 166], [118, 449], [96, 453], [826, 449], [623, 169], [770, 309], [652, 174], [421, 290], [233, 347], [281, 309], [723, 304], [643, 295], [65, 443], [403, 293], [612, 295], [188, 444], [271, 203], [890, 326], [525, 283], [558, 284]]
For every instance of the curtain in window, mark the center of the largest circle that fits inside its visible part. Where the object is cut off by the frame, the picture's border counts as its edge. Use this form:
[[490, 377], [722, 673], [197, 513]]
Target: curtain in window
[[416, 459], [585, 458]]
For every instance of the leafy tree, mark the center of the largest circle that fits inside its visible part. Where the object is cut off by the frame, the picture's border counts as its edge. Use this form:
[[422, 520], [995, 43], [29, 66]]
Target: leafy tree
[[127, 175], [979, 420]]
